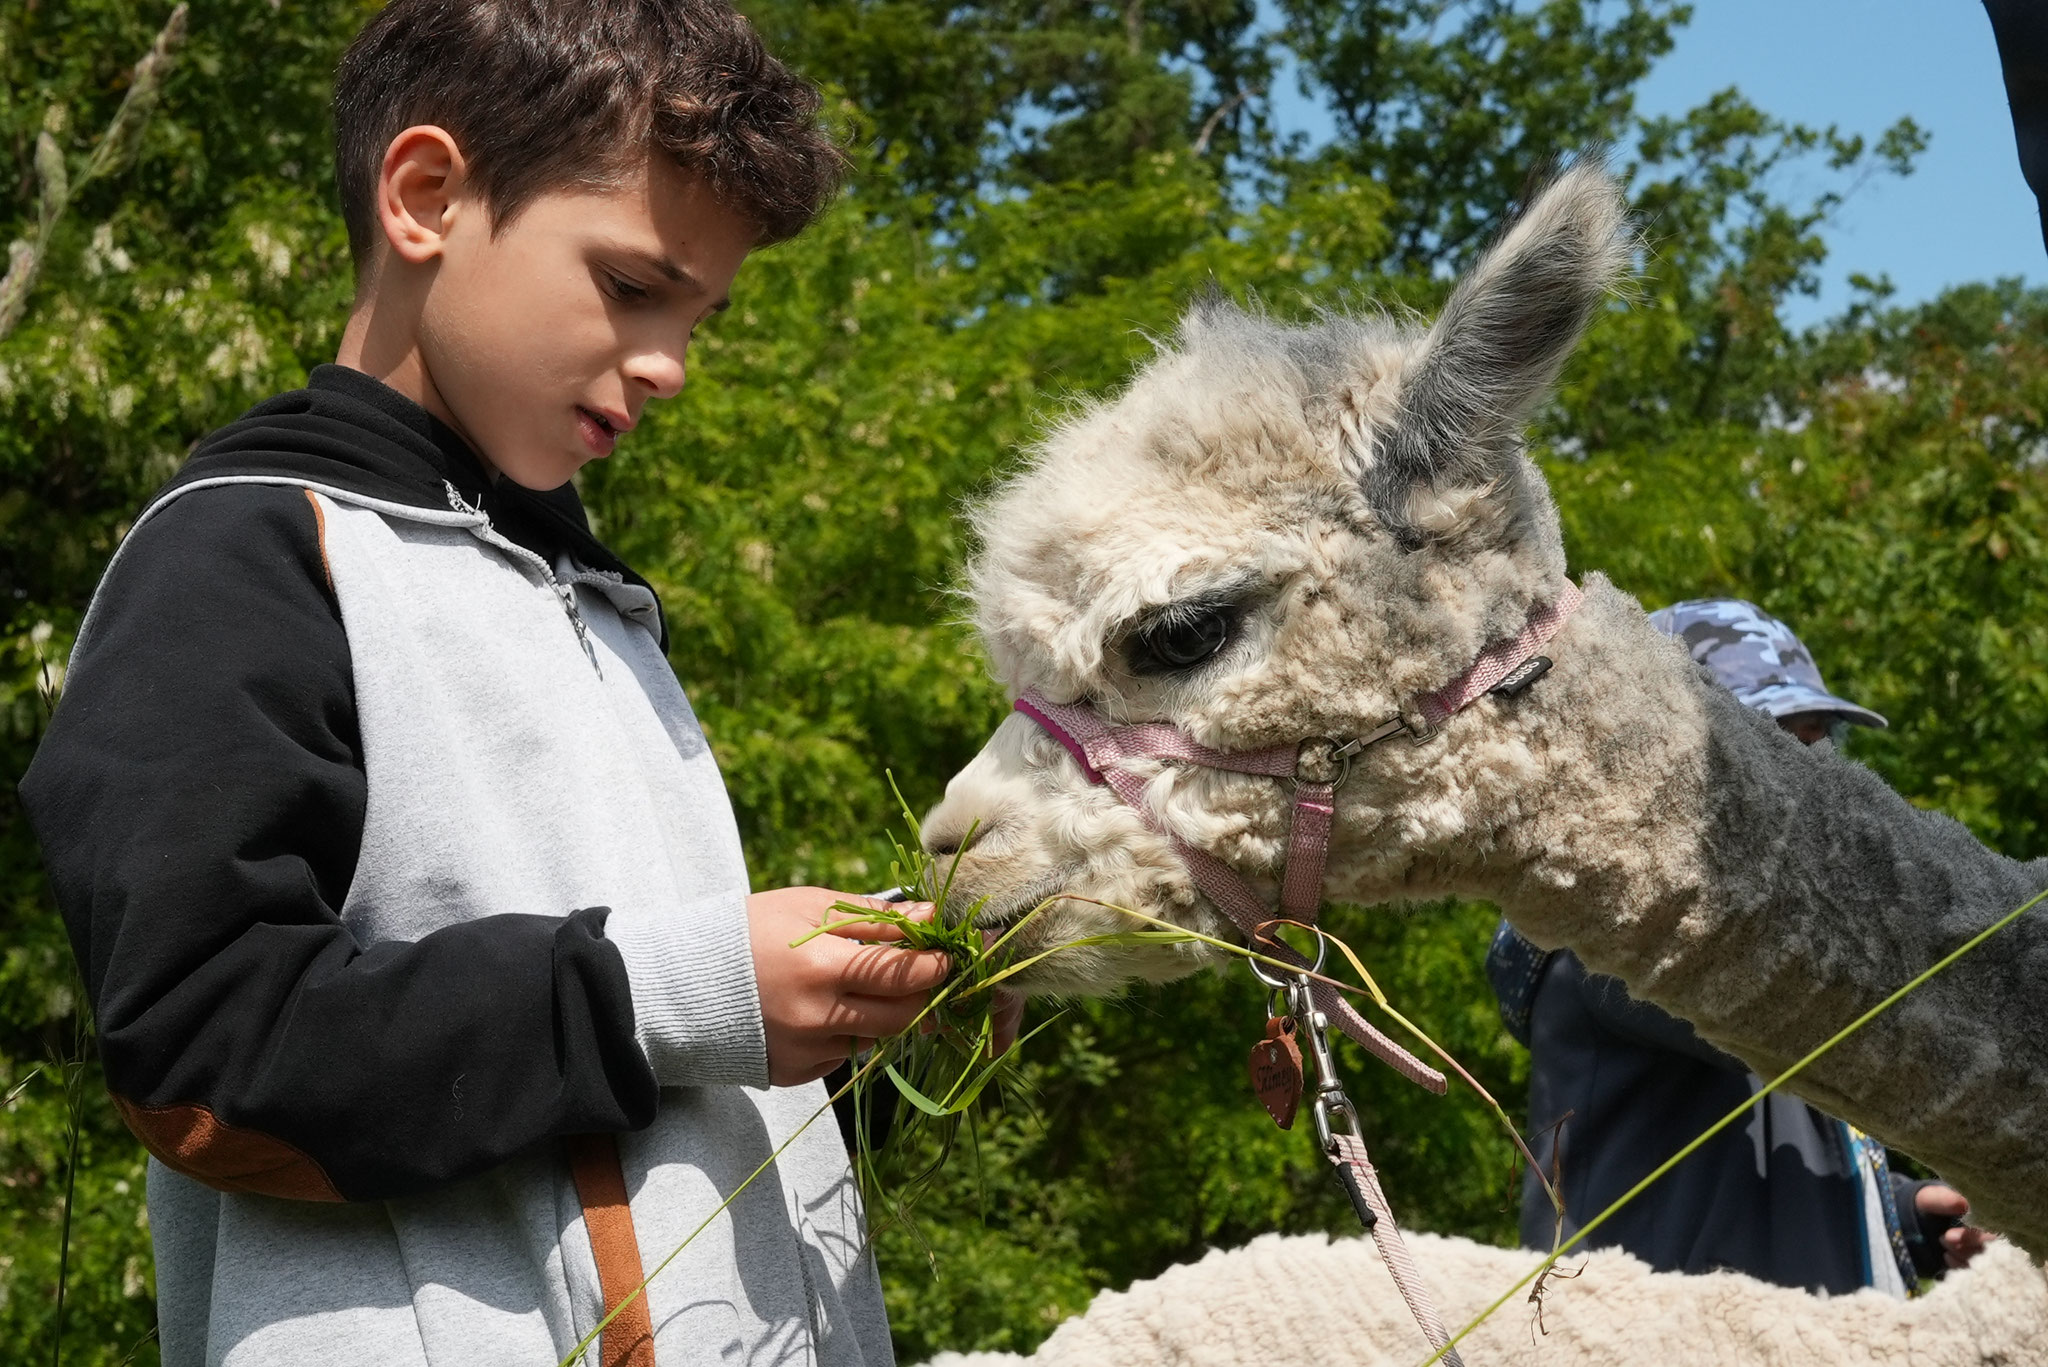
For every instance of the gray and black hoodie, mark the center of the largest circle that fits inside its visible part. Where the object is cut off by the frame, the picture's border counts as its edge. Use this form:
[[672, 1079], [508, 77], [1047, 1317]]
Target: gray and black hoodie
[[412, 911]]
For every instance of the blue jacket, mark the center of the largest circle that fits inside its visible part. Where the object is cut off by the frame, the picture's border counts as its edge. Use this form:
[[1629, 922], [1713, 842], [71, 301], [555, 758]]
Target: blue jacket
[[1617, 1086]]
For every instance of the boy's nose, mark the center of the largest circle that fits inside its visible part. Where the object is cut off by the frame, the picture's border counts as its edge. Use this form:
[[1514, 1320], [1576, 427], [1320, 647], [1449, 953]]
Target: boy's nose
[[658, 372]]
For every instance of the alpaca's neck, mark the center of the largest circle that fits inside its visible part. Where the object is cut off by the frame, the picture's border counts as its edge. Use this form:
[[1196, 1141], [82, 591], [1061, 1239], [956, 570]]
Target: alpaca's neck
[[1770, 895]]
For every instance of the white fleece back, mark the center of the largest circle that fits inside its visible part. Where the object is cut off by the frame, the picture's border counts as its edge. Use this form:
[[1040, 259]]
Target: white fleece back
[[1309, 1300]]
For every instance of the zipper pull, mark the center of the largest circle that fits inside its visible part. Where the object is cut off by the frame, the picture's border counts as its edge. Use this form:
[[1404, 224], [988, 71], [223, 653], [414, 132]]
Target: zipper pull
[[462, 505]]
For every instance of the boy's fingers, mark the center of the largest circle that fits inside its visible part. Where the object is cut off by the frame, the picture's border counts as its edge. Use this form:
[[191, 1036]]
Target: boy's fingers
[[853, 928], [876, 1017], [888, 972]]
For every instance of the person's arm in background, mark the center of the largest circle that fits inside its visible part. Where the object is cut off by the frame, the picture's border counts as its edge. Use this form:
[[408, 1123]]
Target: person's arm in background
[[2021, 30], [1929, 1210], [1931, 1215]]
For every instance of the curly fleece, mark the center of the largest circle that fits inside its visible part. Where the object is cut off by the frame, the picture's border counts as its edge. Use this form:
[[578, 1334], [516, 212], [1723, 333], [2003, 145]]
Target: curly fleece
[[1305, 1301]]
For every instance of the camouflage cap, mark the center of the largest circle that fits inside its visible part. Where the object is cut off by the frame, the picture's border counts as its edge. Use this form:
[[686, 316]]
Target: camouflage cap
[[1757, 657]]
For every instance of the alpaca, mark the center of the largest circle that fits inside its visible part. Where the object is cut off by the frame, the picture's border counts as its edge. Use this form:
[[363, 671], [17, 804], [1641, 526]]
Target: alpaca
[[1283, 532], [1305, 1300]]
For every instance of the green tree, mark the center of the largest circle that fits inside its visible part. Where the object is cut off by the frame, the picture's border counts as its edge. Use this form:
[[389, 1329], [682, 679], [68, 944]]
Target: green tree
[[206, 276], [1453, 105]]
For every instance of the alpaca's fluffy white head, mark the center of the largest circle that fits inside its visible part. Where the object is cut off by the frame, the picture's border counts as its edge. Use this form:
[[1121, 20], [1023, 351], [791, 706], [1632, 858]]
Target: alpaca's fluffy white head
[[1343, 510]]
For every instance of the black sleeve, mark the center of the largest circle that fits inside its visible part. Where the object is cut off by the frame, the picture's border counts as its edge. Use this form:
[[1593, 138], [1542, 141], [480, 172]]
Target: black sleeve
[[200, 802], [1922, 1232]]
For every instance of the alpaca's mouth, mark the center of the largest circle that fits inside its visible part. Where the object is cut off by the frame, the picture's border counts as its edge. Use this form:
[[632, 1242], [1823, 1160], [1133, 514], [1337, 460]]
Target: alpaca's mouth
[[998, 914]]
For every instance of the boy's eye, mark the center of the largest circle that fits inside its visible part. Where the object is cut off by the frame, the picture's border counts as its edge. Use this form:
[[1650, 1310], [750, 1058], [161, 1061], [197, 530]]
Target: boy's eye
[[624, 290]]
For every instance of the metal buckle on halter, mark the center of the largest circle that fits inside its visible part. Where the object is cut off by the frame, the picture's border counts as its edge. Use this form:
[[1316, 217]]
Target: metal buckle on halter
[[1341, 753], [1325, 759], [1331, 1101], [1279, 980]]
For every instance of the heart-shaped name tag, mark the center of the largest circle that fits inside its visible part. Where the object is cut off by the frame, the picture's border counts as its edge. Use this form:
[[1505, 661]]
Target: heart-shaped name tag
[[1276, 1071]]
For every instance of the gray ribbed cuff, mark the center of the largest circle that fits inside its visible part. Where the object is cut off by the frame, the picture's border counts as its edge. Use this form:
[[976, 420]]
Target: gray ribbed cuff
[[695, 1008]]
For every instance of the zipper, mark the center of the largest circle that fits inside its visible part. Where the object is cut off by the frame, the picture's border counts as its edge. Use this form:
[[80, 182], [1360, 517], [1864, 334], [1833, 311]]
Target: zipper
[[483, 531]]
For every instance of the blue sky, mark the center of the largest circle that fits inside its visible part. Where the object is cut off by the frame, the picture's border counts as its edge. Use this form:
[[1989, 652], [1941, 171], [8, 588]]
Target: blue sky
[[1964, 214]]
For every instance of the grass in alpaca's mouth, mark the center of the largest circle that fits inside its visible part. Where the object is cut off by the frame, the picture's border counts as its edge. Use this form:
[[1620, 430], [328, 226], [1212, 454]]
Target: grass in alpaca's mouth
[[944, 1064]]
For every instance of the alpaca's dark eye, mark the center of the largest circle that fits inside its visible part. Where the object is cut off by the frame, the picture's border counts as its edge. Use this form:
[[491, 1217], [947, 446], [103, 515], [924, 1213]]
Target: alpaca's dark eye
[[1182, 639]]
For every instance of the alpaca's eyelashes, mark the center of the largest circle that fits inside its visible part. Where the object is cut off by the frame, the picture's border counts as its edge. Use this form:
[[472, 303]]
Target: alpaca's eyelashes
[[1182, 638]]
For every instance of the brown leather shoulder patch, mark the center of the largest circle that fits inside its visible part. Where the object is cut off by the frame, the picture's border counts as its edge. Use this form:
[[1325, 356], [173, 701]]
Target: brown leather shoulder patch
[[628, 1341], [194, 1141]]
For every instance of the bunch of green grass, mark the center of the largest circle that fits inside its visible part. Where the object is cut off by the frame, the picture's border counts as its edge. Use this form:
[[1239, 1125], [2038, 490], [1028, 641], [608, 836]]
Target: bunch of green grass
[[945, 1065]]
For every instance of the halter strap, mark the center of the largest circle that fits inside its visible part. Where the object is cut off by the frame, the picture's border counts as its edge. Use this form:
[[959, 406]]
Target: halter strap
[[1104, 750], [1499, 661]]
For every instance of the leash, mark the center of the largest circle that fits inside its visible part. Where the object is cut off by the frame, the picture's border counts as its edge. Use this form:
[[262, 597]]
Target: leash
[[1318, 767], [1277, 1081]]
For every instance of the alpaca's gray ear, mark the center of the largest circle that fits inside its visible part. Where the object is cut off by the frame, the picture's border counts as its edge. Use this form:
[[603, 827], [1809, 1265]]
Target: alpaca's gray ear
[[1497, 348]]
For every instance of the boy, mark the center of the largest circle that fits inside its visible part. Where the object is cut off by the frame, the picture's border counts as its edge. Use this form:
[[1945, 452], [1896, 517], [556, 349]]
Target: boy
[[406, 889]]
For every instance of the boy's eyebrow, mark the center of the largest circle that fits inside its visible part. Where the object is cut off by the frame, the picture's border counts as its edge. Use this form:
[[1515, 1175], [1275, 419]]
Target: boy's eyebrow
[[662, 266]]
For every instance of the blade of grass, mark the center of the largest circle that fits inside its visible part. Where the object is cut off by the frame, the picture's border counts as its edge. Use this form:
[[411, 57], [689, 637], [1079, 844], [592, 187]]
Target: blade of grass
[[914, 1096]]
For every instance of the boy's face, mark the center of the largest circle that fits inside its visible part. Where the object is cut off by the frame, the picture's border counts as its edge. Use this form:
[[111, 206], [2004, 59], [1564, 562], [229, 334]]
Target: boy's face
[[544, 342]]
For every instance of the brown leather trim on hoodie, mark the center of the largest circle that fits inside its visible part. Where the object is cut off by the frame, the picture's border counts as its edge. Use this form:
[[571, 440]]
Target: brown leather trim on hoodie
[[627, 1341], [192, 1140]]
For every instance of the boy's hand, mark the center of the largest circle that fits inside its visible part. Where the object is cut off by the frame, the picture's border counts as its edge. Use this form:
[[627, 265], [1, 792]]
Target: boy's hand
[[824, 999]]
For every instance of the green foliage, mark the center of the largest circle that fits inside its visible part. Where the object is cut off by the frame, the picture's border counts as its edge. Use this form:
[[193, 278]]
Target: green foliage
[[1035, 200], [1454, 106]]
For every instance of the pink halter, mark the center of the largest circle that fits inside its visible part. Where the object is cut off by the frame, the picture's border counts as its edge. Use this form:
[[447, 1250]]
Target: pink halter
[[1318, 767]]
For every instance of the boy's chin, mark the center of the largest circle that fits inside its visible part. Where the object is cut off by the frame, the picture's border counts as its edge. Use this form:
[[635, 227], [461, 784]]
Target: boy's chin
[[540, 474]]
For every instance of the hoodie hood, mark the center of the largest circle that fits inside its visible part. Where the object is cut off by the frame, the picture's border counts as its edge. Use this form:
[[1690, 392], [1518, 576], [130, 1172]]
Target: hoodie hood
[[346, 430]]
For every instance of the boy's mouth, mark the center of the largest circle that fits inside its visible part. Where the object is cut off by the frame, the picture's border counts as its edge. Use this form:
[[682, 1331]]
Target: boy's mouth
[[599, 433]]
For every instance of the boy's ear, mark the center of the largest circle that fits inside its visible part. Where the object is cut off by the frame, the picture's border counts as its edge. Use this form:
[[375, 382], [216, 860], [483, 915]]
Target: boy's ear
[[1468, 392], [418, 191]]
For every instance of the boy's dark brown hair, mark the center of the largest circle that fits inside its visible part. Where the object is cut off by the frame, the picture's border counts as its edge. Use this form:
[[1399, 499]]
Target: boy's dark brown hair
[[547, 94]]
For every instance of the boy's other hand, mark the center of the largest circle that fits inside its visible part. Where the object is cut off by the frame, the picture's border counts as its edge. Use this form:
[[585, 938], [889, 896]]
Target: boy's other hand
[[839, 992]]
